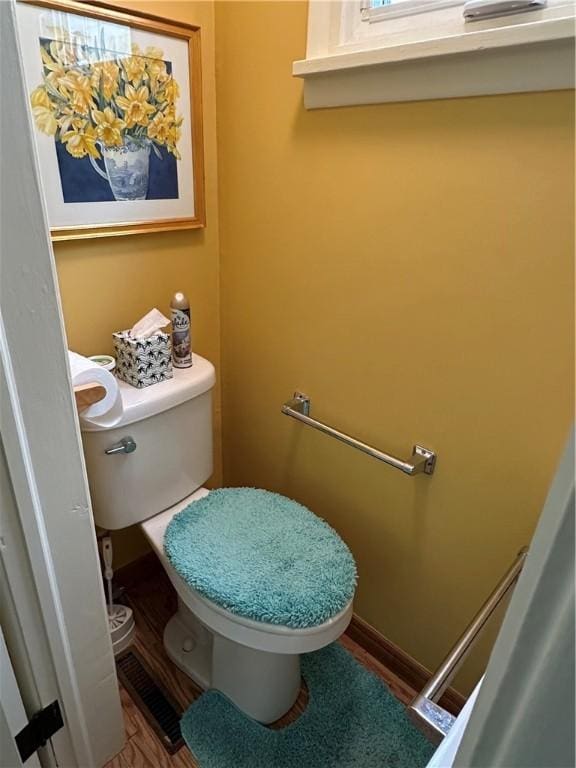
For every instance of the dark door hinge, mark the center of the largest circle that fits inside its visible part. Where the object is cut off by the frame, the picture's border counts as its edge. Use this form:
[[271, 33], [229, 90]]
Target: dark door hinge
[[43, 725]]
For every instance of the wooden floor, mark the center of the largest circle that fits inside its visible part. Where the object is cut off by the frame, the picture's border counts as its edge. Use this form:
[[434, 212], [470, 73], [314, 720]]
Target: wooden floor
[[153, 600]]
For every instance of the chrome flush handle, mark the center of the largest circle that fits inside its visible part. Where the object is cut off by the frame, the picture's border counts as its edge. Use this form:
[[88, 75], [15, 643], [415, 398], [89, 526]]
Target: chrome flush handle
[[126, 445]]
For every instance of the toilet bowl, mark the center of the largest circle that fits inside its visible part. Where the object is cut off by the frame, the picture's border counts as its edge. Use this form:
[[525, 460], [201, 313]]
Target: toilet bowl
[[255, 663]]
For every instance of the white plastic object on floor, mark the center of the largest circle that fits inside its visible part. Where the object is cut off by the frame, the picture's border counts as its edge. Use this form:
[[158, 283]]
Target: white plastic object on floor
[[120, 618], [122, 627]]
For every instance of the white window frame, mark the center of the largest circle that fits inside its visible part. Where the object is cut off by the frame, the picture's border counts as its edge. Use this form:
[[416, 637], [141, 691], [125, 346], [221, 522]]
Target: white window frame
[[432, 55], [408, 8]]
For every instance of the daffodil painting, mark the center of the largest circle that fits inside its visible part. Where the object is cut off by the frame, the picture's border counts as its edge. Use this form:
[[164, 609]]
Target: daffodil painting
[[116, 104], [114, 120]]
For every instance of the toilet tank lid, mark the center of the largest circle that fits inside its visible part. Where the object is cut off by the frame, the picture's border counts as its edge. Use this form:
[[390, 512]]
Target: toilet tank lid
[[139, 404]]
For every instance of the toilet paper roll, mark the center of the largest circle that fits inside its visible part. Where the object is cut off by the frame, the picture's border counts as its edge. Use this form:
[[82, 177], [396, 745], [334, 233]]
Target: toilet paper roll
[[108, 411]]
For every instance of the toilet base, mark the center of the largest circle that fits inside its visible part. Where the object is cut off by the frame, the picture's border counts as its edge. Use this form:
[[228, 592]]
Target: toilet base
[[189, 645], [263, 685]]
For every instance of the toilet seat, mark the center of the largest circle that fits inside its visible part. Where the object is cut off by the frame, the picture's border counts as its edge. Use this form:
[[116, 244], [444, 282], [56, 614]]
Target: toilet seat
[[263, 556], [262, 636]]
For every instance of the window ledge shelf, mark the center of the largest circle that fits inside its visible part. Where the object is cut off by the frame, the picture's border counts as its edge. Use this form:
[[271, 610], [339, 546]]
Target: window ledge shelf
[[530, 57]]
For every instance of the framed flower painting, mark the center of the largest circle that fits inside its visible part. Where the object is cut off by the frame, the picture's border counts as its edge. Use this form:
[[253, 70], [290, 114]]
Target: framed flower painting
[[116, 104]]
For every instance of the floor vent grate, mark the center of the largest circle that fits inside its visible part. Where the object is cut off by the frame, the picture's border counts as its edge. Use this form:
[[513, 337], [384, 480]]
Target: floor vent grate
[[154, 702]]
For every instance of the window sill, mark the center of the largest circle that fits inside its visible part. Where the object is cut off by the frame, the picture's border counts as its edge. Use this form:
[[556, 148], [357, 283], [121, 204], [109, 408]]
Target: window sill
[[530, 57]]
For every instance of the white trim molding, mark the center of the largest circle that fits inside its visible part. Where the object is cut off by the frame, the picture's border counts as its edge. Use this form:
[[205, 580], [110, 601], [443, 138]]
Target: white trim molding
[[41, 440], [349, 61]]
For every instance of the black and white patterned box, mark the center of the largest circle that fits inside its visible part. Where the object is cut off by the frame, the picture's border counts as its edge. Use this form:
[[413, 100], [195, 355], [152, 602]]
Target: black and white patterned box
[[142, 362]]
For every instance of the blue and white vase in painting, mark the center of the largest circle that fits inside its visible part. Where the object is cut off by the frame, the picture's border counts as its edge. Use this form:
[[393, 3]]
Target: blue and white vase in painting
[[126, 169]]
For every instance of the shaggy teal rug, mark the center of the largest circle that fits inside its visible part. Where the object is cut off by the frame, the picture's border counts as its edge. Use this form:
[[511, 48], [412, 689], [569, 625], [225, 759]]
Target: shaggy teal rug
[[263, 556], [352, 721]]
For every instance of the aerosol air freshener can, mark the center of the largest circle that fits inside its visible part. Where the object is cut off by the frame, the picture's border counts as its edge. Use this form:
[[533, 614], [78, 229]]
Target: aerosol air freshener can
[[181, 342]]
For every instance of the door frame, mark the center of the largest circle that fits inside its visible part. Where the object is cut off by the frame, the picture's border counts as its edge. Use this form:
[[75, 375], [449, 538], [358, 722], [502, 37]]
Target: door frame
[[41, 437], [12, 714]]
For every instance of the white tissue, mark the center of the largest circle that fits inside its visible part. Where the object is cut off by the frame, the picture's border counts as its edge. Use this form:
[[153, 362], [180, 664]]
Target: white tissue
[[149, 325], [106, 412]]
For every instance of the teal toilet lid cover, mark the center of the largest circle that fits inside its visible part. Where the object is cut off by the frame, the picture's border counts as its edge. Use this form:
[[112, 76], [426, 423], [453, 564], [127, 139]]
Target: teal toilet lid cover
[[262, 556]]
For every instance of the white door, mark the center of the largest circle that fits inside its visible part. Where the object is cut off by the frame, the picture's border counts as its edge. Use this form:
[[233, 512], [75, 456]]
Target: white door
[[522, 714], [24, 636], [55, 553], [13, 717], [525, 713]]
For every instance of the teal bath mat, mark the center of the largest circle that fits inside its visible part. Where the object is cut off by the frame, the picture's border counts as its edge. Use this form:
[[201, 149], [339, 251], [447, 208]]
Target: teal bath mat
[[351, 721]]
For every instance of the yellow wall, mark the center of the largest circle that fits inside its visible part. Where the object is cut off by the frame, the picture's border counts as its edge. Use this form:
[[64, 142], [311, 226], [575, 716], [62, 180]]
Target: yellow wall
[[107, 284], [409, 266]]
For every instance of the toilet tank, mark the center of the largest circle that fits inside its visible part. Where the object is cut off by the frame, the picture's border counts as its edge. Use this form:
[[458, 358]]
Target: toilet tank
[[171, 424]]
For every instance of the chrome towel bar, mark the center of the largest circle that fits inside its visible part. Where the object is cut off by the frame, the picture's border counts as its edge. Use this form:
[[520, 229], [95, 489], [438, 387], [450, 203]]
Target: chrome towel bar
[[424, 710], [422, 460]]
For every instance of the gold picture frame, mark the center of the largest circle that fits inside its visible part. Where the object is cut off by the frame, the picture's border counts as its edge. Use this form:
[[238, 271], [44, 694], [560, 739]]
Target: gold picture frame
[[194, 159]]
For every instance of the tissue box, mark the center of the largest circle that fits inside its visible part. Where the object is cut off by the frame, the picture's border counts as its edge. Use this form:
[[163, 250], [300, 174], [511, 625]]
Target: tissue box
[[142, 362]]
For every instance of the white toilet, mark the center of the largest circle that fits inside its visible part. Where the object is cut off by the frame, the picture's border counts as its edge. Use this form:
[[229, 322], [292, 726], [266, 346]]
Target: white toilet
[[147, 468]]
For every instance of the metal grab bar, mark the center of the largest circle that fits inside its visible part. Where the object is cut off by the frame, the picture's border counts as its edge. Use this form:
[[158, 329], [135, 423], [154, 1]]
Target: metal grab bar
[[423, 460], [424, 710]]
